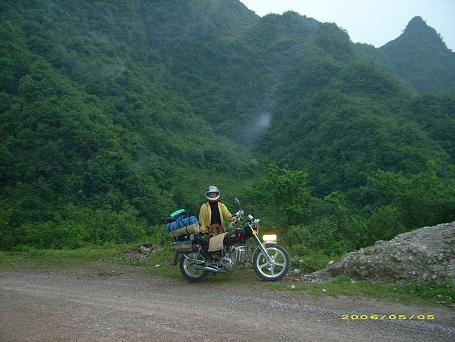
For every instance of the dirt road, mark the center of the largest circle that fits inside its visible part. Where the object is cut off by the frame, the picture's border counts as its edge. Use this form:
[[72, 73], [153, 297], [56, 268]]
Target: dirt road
[[84, 306]]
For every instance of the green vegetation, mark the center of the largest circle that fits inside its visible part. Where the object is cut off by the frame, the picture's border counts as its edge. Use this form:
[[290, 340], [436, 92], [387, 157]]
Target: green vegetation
[[389, 203], [114, 114]]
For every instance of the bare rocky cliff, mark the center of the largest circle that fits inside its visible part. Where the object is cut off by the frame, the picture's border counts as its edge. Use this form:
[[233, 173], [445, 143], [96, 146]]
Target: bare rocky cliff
[[424, 255]]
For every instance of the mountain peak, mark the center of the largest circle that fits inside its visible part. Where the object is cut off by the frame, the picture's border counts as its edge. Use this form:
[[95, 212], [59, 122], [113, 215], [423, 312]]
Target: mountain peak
[[418, 30], [416, 22], [419, 26], [420, 56], [417, 34]]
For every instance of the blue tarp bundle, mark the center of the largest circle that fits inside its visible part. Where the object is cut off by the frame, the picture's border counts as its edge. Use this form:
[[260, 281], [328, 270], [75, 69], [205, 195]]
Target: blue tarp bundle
[[181, 221]]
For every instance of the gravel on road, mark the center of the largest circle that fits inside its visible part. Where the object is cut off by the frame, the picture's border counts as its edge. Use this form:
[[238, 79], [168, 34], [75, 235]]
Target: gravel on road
[[51, 305]]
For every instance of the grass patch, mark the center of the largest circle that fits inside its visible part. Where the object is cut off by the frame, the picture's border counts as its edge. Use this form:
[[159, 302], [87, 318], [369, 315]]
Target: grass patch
[[61, 257], [312, 261], [443, 294]]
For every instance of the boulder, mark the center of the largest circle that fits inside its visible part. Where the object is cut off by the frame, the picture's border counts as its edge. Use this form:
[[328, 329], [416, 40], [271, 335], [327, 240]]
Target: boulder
[[425, 255]]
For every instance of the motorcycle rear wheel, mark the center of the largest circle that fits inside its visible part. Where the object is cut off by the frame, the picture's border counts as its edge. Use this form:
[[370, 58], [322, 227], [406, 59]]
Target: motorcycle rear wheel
[[188, 272], [265, 269]]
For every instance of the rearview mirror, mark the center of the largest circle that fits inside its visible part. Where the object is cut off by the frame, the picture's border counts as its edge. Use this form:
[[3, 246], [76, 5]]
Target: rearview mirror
[[237, 202]]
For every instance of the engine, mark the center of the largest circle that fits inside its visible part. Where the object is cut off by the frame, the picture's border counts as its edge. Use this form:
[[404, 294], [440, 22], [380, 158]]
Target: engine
[[228, 261], [233, 257], [241, 254]]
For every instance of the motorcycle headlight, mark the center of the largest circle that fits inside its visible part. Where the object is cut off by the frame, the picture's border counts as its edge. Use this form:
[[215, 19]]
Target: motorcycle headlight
[[269, 238]]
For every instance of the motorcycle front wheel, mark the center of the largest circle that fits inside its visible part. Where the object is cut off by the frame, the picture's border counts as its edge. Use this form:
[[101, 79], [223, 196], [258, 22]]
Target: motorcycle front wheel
[[276, 268], [187, 269]]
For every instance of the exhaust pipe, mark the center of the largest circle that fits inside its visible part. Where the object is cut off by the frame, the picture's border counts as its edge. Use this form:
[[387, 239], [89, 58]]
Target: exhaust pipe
[[196, 261], [200, 265], [207, 268]]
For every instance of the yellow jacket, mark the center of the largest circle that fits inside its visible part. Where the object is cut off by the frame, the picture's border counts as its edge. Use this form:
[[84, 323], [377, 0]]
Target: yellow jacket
[[205, 216]]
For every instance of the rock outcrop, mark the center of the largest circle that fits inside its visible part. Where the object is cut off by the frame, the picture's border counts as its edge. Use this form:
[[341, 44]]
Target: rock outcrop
[[424, 255]]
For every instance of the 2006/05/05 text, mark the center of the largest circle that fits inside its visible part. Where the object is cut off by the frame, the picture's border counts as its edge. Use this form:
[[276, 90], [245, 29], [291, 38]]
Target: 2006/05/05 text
[[391, 317]]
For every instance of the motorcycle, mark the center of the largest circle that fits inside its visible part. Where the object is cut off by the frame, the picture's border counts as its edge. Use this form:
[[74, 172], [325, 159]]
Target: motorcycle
[[270, 261]]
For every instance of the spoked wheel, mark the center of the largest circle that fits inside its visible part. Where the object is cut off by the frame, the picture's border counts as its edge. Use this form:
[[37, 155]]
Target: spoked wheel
[[276, 268], [187, 267]]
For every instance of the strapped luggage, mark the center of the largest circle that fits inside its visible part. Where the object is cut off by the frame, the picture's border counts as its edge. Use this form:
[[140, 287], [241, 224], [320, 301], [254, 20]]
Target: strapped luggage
[[191, 229], [182, 223]]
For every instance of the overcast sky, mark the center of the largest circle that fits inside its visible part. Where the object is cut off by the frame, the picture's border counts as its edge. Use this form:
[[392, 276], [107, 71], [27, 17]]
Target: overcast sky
[[367, 21]]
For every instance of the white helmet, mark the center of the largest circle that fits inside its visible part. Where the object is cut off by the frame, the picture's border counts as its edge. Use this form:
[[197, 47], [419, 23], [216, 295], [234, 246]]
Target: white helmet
[[212, 193]]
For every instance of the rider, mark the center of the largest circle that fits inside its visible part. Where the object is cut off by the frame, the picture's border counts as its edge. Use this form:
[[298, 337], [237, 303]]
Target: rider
[[213, 213]]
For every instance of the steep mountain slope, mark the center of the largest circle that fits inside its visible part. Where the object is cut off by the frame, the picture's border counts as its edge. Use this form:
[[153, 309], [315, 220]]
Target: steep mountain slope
[[339, 115], [94, 111], [418, 56], [133, 107]]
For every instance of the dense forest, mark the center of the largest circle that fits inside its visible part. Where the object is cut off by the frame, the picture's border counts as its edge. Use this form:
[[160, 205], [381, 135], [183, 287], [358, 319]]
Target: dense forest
[[114, 114]]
